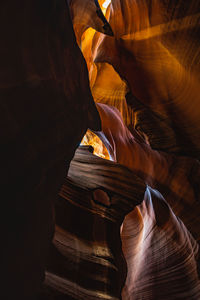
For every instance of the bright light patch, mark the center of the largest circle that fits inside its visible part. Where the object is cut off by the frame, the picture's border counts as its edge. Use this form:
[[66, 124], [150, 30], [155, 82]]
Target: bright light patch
[[93, 140], [106, 3]]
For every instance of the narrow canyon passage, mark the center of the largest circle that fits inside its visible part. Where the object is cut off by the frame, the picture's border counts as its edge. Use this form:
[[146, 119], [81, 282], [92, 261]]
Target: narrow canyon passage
[[100, 148]]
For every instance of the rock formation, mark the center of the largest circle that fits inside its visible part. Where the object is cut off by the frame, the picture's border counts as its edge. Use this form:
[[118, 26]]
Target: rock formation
[[127, 228]]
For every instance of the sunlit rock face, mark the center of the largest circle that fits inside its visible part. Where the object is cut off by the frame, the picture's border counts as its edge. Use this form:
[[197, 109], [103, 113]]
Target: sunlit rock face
[[150, 72], [155, 49], [99, 149], [46, 106]]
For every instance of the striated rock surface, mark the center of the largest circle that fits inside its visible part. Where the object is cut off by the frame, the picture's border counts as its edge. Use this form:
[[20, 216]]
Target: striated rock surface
[[155, 50], [176, 177], [149, 71], [161, 254], [104, 208], [87, 261]]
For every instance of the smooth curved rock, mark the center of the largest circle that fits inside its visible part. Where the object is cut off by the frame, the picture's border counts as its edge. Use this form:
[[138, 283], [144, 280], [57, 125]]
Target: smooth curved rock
[[161, 254], [176, 177], [155, 49]]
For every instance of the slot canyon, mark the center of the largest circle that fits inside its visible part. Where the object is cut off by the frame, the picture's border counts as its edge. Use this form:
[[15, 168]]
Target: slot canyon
[[100, 149]]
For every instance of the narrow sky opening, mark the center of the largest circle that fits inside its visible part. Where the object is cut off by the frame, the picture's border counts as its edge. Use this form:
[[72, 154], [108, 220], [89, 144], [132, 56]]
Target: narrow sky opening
[[106, 3]]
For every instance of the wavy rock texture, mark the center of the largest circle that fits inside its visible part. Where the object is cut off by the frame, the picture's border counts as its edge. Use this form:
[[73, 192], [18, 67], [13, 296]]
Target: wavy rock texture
[[155, 49], [87, 14], [162, 256], [106, 85], [46, 106], [87, 262], [177, 177], [150, 72]]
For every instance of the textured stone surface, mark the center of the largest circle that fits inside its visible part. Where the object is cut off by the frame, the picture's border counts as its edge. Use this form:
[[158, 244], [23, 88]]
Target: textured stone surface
[[155, 50], [46, 106], [87, 260]]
